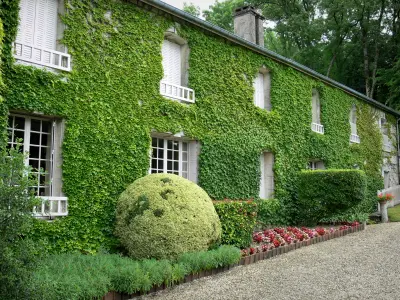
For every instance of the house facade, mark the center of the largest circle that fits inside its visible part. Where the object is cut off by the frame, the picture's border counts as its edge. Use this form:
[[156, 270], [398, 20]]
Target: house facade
[[104, 92]]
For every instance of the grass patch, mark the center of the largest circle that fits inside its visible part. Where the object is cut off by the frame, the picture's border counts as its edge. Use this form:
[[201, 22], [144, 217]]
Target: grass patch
[[77, 276], [394, 213]]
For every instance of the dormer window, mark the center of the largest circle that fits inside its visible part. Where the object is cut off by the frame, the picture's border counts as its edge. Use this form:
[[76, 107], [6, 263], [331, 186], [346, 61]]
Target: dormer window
[[38, 31], [316, 165], [354, 138], [262, 86], [316, 125], [175, 54]]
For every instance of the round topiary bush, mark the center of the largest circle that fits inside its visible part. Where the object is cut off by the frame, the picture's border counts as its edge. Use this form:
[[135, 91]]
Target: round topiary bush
[[164, 215]]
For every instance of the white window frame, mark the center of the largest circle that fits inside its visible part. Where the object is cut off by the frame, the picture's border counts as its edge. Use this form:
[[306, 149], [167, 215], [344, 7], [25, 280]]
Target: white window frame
[[28, 53], [265, 102], [191, 154], [316, 125], [178, 90], [354, 138], [267, 181], [52, 205], [314, 165]]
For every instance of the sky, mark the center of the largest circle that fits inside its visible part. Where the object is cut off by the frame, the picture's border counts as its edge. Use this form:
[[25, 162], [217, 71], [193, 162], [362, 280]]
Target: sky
[[204, 4]]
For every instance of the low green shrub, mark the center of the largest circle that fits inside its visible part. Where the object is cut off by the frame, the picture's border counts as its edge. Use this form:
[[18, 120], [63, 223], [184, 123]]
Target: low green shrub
[[238, 219], [328, 194], [268, 212], [165, 215], [77, 276]]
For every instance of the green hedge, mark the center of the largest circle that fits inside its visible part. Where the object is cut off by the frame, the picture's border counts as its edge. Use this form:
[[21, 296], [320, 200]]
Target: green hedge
[[238, 219], [269, 212], [77, 276], [325, 193]]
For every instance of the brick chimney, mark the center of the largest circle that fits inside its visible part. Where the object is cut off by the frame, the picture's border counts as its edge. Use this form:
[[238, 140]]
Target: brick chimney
[[248, 24]]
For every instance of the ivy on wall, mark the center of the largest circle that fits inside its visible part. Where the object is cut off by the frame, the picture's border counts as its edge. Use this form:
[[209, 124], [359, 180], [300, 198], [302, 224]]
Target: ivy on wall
[[111, 103]]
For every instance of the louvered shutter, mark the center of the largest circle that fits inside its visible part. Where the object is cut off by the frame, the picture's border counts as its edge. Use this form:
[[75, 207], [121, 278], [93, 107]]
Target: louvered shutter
[[269, 174], [45, 28], [262, 180], [353, 128], [316, 108], [193, 161], [171, 53], [259, 91], [26, 27]]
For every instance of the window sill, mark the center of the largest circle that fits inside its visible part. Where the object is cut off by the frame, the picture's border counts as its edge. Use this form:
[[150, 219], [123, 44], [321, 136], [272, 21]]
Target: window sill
[[51, 207]]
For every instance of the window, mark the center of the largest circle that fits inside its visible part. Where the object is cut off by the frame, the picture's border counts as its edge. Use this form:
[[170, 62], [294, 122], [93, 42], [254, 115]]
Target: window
[[41, 139], [267, 185], [384, 126], [262, 84], [174, 156], [38, 31], [316, 125], [175, 56], [354, 138], [316, 165]]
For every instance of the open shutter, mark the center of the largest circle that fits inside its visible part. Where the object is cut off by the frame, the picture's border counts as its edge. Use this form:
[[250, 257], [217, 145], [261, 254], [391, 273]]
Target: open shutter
[[269, 174], [262, 179], [193, 161], [259, 90], [267, 91], [171, 53], [45, 28], [26, 27], [316, 107], [353, 128]]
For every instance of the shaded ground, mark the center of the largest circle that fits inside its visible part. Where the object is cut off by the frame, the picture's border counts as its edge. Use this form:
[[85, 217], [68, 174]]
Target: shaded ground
[[363, 265]]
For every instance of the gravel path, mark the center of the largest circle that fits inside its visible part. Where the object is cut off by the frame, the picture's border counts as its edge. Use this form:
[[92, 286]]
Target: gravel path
[[362, 265]]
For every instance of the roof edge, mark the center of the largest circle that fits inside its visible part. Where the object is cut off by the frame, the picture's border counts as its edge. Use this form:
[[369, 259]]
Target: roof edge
[[180, 14]]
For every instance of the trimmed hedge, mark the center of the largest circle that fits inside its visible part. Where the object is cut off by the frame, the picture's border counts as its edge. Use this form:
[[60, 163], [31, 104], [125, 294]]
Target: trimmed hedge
[[269, 213], [77, 276], [325, 193], [238, 219]]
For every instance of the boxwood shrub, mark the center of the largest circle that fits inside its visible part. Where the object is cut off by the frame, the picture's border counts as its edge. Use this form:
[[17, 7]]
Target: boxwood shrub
[[324, 193], [238, 219]]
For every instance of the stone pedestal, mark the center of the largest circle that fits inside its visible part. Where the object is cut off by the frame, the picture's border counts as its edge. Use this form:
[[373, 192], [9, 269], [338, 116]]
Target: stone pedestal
[[383, 209]]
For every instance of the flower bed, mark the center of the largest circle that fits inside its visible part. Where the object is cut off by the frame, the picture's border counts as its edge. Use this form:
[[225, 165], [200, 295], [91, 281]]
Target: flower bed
[[271, 242]]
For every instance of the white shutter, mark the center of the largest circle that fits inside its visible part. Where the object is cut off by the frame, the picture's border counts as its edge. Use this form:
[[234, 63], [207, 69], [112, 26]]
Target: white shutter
[[171, 53], [316, 108], [193, 161], [26, 27], [267, 91], [45, 28], [262, 180], [259, 91], [269, 174]]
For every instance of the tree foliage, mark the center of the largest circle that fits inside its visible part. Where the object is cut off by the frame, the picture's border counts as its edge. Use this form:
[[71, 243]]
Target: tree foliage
[[352, 42]]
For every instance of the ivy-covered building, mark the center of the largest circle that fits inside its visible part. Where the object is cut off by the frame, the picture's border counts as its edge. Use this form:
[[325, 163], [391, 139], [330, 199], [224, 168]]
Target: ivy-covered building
[[104, 92]]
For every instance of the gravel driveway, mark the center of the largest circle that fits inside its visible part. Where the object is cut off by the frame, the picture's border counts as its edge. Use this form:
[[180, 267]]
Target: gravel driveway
[[362, 265]]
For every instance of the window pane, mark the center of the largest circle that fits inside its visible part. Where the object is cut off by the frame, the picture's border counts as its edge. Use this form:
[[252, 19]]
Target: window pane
[[44, 165], [176, 145], [160, 153], [46, 125], [19, 123], [169, 165], [160, 143], [35, 139], [34, 164], [44, 153], [18, 135], [45, 140], [184, 146], [169, 154], [169, 145], [33, 152], [184, 167], [154, 153], [154, 142], [161, 164], [35, 125], [154, 163], [184, 156], [176, 165], [176, 155]]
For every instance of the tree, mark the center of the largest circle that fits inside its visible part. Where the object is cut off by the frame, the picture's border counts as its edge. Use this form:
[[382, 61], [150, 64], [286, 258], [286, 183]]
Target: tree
[[221, 13], [191, 9], [18, 254]]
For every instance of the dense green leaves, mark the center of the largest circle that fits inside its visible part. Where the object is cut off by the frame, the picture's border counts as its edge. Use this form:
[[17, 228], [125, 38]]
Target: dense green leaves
[[238, 219], [111, 104], [76, 276], [325, 193]]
